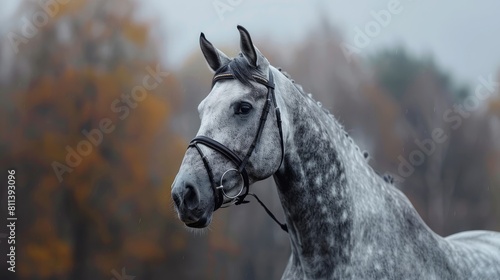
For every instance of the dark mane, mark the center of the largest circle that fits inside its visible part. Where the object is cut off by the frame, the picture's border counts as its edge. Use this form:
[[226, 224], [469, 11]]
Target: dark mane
[[239, 67], [243, 72]]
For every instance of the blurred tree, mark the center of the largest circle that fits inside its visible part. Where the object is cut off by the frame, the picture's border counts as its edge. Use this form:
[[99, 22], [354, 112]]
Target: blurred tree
[[449, 184], [396, 70], [87, 126]]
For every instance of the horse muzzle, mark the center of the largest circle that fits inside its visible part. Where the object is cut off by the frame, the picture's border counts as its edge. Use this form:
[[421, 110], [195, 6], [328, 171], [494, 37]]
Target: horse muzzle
[[193, 209]]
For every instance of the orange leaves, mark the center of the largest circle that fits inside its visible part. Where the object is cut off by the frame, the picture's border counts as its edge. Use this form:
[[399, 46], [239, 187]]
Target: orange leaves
[[46, 261], [43, 194], [112, 178], [151, 109], [70, 7], [46, 254], [136, 33], [494, 106], [143, 248]]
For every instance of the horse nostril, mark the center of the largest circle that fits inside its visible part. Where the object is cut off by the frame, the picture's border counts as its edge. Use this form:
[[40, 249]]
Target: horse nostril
[[191, 198], [177, 199]]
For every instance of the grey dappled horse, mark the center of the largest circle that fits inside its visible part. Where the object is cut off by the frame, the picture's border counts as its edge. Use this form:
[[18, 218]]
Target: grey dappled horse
[[344, 221]]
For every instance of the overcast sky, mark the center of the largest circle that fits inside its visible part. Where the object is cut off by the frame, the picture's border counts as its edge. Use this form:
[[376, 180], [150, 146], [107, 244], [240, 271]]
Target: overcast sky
[[464, 36]]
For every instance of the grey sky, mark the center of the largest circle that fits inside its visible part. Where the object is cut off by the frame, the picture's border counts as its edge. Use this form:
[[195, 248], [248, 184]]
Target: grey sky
[[462, 35]]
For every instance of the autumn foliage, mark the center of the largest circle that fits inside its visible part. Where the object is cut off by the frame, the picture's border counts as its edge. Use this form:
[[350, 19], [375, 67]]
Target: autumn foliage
[[91, 204]]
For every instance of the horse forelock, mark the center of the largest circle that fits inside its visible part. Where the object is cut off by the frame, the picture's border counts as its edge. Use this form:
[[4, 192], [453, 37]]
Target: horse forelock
[[240, 69]]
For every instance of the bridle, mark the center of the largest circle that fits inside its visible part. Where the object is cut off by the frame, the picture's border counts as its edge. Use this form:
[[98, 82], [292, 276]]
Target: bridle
[[218, 190]]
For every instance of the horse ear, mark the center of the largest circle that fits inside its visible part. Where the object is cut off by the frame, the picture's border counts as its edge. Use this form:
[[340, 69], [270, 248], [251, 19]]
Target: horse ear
[[213, 56], [247, 48]]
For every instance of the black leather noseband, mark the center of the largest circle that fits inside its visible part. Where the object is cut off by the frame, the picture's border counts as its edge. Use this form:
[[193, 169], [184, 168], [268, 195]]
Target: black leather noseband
[[239, 162]]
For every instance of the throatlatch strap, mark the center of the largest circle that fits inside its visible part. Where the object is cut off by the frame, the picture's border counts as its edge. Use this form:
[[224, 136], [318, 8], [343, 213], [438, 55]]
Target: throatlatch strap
[[278, 116]]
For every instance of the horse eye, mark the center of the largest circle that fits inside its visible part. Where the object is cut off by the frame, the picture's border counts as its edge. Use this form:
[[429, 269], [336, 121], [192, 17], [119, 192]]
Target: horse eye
[[243, 108]]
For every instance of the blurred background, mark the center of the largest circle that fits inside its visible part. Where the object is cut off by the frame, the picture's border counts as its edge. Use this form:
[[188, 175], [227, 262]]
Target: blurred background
[[98, 101]]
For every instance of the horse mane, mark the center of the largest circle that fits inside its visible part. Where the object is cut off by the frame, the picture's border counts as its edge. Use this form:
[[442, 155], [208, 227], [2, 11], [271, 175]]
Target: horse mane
[[309, 95], [239, 67], [388, 178]]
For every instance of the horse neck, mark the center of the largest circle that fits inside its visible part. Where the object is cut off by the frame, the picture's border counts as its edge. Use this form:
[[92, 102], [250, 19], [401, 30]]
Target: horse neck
[[328, 191]]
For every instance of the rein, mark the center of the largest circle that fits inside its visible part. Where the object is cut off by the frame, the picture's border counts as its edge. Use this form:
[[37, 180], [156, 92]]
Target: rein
[[218, 190]]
